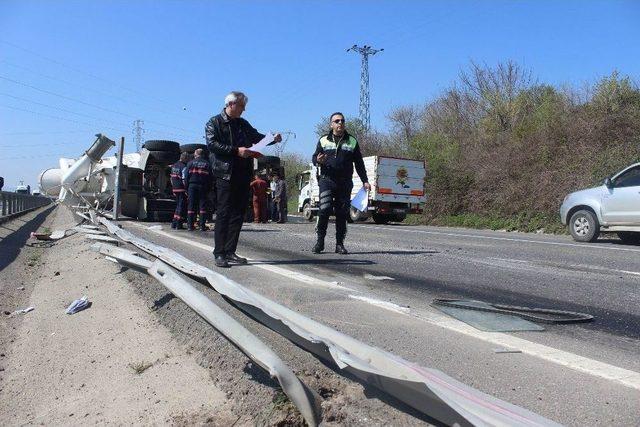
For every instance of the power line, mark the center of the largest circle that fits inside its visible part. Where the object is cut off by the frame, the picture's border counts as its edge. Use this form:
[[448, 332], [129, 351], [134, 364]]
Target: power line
[[185, 136], [77, 70], [77, 86], [82, 102], [364, 51]]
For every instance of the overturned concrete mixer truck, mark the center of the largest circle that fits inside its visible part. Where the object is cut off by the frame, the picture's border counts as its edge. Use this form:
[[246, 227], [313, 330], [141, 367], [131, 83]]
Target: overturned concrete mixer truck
[[145, 185]]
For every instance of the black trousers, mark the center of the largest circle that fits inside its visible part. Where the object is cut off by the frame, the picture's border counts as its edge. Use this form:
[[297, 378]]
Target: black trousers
[[197, 200], [233, 198], [281, 209], [180, 215], [335, 197]]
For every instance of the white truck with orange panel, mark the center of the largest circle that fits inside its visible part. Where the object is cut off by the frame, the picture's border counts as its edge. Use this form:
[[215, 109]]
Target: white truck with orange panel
[[397, 188]]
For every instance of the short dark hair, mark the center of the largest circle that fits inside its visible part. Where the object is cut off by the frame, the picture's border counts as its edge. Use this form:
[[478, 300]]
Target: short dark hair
[[337, 113]]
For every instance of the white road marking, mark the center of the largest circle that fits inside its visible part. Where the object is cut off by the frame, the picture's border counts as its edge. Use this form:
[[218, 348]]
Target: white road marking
[[583, 364], [373, 277], [508, 239], [383, 304], [272, 268]]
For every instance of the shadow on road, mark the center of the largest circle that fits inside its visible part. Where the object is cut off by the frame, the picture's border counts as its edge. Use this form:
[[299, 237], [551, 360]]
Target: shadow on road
[[394, 252], [314, 261], [19, 232]]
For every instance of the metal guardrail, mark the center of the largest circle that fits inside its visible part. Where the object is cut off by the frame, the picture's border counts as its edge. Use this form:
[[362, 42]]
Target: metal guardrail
[[14, 204]]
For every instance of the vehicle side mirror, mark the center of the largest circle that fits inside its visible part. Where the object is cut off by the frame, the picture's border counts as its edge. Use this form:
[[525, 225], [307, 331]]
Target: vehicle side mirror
[[608, 183]]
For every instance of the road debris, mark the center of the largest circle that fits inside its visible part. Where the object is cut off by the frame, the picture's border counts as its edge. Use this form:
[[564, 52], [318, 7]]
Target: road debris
[[506, 350], [429, 391], [78, 305], [373, 277], [23, 311]]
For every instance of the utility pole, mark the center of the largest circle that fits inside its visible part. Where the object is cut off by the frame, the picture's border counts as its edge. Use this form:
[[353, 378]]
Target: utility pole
[[364, 51], [116, 195], [138, 131]]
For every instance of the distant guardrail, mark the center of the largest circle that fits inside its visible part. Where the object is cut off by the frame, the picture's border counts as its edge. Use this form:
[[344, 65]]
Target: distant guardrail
[[15, 204]]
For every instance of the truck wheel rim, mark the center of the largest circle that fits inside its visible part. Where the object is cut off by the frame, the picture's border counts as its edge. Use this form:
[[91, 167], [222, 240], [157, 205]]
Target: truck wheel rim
[[581, 226]]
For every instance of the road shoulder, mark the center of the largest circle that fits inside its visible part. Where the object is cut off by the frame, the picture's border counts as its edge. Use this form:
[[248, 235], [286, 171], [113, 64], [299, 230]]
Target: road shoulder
[[111, 363]]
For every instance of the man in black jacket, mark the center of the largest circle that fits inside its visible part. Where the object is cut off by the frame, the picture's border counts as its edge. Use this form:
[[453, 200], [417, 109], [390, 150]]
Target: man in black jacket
[[336, 153], [197, 179], [229, 138]]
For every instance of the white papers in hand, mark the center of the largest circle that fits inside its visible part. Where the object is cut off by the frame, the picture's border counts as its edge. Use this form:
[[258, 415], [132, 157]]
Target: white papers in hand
[[264, 142], [360, 200]]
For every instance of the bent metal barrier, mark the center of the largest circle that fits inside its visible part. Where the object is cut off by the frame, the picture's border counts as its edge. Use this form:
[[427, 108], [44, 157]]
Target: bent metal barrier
[[429, 391], [15, 204]]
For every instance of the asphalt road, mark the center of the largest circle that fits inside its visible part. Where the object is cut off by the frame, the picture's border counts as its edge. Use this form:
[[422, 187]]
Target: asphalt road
[[577, 374]]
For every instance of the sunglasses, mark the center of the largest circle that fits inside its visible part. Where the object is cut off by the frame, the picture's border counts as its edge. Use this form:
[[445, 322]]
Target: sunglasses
[[338, 121]]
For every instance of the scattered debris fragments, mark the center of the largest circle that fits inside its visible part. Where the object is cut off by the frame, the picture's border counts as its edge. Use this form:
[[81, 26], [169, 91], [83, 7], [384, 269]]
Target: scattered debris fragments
[[494, 317], [427, 390], [506, 350], [78, 305], [373, 277], [23, 310]]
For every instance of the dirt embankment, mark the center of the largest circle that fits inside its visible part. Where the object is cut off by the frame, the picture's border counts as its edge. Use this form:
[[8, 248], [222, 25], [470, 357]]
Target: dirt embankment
[[110, 364]]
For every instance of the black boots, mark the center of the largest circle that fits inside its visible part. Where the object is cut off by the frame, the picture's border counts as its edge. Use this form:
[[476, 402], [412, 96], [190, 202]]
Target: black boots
[[236, 258], [319, 246], [340, 249], [221, 261]]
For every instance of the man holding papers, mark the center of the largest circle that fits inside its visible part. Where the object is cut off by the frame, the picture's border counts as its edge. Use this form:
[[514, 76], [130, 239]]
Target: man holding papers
[[336, 154], [229, 138]]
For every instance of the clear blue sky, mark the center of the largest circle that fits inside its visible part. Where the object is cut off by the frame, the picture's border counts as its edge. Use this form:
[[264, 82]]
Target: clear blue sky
[[60, 60]]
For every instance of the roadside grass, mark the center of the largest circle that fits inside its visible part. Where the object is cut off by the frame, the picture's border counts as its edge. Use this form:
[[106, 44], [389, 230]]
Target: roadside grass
[[526, 222], [34, 256], [281, 411], [140, 367]]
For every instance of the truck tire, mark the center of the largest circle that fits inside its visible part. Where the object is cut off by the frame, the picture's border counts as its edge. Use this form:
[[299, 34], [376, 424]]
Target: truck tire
[[161, 145], [164, 157], [307, 213], [399, 217], [584, 226], [190, 148], [380, 218], [629, 237]]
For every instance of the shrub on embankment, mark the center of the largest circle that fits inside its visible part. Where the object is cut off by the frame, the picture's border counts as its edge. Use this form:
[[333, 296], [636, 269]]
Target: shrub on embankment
[[502, 149]]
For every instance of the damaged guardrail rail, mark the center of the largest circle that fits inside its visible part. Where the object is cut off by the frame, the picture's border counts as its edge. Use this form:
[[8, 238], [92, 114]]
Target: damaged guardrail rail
[[305, 399], [429, 391]]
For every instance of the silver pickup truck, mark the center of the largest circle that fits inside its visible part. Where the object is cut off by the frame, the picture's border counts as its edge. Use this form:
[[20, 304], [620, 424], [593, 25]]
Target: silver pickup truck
[[613, 206]]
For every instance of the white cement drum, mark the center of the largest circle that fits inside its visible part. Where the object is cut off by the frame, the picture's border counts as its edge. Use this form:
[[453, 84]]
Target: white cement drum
[[50, 181]]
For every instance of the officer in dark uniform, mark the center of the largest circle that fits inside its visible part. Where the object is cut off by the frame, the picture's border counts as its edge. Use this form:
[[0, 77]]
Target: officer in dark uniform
[[179, 191], [197, 179], [336, 154]]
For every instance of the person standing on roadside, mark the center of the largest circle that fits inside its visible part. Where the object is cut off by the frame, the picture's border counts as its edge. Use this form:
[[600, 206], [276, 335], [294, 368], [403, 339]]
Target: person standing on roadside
[[229, 138], [336, 154], [273, 208], [280, 198], [197, 180], [259, 189], [179, 191]]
